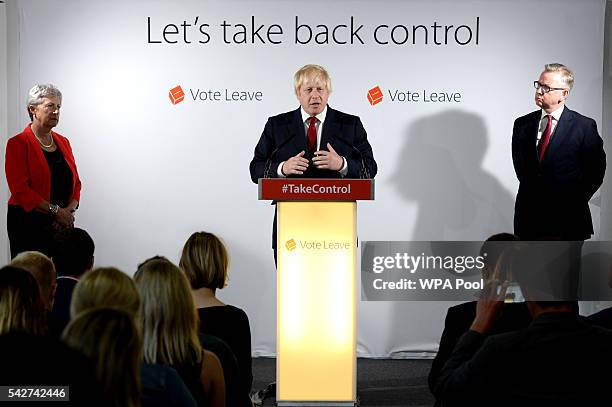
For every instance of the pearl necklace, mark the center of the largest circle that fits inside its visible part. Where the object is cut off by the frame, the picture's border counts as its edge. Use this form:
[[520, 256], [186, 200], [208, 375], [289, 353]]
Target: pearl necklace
[[42, 144]]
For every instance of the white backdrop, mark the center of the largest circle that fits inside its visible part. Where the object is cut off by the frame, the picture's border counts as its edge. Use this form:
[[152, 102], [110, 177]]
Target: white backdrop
[[154, 172]]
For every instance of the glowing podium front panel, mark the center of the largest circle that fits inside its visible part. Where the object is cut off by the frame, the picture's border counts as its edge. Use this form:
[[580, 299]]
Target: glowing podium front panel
[[316, 288], [316, 303]]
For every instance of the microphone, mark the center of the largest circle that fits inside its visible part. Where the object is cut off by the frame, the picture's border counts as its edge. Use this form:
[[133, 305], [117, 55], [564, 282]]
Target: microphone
[[267, 168], [364, 173]]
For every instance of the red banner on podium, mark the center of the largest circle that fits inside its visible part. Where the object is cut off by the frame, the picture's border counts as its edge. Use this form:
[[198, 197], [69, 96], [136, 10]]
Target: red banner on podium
[[315, 189]]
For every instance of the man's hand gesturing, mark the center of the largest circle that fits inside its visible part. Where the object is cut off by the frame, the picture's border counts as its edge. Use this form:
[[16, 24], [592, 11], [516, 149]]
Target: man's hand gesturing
[[295, 165]]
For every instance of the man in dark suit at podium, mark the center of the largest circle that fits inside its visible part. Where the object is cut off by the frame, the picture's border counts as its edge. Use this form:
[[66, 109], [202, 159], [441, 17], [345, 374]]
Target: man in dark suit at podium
[[313, 141]]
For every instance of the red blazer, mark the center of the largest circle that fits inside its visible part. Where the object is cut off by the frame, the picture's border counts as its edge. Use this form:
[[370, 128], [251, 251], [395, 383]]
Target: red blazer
[[27, 171]]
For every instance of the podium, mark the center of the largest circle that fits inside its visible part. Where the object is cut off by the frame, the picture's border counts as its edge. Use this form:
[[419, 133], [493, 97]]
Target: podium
[[316, 292]]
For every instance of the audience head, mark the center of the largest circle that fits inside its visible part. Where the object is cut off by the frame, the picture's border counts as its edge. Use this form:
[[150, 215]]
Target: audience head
[[21, 307], [167, 314], [43, 270], [110, 338], [73, 252], [205, 261], [531, 266], [156, 257], [494, 247], [105, 287]]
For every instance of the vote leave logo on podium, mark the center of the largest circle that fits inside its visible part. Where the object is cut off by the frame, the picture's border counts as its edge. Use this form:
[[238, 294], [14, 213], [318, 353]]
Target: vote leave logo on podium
[[290, 245], [176, 95]]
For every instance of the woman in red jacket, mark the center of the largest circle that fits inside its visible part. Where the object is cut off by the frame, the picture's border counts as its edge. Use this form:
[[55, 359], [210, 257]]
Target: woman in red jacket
[[41, 175]]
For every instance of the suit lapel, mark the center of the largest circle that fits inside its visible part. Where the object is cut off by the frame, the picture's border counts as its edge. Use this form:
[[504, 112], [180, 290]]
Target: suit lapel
[[330, 128], [297, 127], [560, 133]]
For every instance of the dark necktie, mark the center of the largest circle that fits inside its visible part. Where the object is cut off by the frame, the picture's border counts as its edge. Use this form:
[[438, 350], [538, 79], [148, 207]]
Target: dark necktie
[[545, 140], [312, 135]]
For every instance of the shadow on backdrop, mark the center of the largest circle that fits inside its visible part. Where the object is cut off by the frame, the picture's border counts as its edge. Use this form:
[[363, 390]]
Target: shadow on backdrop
[[441, 170]]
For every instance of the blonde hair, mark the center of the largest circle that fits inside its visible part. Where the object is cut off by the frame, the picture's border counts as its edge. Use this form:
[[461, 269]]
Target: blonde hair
[[42, 269], [111, 340], [567, 76], [205, 261], [310, 73], [168, 316], [21, 307], [105, 287]]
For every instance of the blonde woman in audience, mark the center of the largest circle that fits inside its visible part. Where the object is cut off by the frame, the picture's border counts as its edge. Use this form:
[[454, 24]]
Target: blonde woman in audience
[[109, 287], [43, 270], [110, 338], [170, 330], [205, 262], [105, 287], [21, 307]]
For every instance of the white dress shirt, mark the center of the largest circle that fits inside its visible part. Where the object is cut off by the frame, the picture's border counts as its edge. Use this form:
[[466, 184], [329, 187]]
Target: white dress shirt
[[319, 126], [544, 121]]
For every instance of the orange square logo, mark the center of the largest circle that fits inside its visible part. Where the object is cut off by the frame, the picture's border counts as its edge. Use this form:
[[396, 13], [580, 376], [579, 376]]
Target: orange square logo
[[176, 95], [290, 245], [375, 96]]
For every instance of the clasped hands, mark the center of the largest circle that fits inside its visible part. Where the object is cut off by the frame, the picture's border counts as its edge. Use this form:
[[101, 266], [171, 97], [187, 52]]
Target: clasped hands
[[325, 160], [63, 219]]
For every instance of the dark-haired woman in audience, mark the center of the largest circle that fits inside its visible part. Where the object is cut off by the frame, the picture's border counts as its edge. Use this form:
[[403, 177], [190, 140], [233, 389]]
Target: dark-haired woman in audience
[[170, 330], [109, 337], [205, 261], [42, 176]]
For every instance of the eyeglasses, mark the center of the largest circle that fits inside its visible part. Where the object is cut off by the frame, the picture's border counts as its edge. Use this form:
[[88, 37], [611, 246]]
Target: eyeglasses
[[544, 88]]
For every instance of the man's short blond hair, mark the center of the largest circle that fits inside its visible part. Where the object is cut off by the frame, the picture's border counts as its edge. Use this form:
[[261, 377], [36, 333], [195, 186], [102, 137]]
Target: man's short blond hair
[[567, 76], [310, 73], [41, 267]]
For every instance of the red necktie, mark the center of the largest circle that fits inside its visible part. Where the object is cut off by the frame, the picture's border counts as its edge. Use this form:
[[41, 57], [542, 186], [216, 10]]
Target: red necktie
[[312, 135], [545, 140]]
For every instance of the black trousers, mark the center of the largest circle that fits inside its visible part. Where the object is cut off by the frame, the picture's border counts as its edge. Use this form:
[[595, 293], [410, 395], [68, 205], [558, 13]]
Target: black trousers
[[29, 231]]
